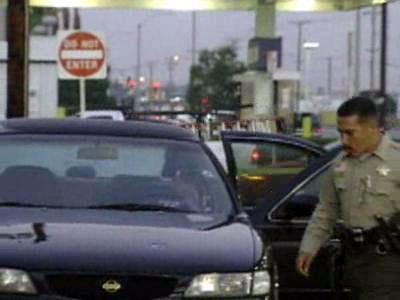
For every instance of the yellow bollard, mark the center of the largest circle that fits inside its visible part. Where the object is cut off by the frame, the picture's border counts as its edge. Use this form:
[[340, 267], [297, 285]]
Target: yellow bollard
[[61, 112], [307, 127]]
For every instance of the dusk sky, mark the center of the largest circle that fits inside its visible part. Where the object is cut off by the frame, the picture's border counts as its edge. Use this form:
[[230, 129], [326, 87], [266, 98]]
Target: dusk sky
[[167, 33]]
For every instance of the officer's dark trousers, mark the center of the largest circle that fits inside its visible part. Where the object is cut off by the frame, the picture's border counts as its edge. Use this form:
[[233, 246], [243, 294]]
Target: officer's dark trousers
[[373, 276]]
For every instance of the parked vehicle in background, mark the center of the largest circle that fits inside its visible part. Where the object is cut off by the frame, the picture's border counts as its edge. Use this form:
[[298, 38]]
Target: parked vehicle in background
[[115, 115]]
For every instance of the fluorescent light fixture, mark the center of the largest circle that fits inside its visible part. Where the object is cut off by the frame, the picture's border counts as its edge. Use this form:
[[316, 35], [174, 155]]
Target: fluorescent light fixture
[[153, 4], [281, 5], [304, 5], [310, 45]]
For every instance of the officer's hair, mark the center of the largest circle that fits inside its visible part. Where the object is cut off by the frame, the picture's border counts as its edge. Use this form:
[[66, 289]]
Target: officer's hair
[[362, 107]]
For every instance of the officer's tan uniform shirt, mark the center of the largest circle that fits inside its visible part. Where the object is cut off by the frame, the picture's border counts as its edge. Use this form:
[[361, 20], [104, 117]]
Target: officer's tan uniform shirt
[[355, 190]]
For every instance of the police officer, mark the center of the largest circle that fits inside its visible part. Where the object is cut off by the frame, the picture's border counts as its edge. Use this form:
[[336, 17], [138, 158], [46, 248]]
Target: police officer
[[363, 184]]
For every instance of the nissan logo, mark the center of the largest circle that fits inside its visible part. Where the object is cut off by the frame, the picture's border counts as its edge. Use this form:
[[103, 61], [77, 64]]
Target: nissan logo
[[111, 286]]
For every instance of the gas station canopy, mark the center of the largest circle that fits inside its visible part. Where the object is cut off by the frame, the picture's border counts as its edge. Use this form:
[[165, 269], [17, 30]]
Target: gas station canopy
[[281, 5]]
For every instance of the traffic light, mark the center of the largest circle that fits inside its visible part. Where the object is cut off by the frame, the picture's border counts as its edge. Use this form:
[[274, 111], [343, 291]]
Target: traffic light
[[205, 104], [131, 83], [155, 91]]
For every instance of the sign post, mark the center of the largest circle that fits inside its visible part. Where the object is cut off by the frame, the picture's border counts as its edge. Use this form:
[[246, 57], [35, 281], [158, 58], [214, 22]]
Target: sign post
[[82, 56], [82, 94]]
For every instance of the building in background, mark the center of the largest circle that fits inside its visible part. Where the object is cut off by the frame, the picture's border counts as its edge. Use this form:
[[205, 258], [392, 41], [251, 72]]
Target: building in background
[[43, 87], [52, 20]]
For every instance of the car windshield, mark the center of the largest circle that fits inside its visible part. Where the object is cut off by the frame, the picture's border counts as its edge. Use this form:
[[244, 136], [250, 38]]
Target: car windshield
[[109, 173]]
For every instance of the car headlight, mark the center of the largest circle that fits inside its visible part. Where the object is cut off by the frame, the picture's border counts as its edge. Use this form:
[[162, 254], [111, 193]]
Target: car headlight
[[16, 281], [229, 285]]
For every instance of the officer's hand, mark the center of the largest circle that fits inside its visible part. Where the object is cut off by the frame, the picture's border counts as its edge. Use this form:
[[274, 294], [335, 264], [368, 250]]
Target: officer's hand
[[303, 263]]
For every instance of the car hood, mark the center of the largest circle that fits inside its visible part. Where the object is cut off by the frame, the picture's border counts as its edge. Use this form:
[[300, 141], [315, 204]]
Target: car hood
[[115, 241]]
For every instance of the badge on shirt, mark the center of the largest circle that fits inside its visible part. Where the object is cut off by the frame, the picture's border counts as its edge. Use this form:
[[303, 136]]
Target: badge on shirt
[[383, 170], [367, 182], [340, 169]]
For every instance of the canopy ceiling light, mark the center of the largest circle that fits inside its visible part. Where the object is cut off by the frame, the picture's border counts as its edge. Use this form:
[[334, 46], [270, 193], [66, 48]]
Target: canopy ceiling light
[[281, 5]]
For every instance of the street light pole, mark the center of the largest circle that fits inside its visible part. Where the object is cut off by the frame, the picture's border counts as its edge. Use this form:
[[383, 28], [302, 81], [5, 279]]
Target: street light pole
[[151, 79], [329, 83], [350, 65], [171, 62], [383, 48], [194, 32], [308, 47], [358, 52], [138, 51], [373, 37], [299, 25]]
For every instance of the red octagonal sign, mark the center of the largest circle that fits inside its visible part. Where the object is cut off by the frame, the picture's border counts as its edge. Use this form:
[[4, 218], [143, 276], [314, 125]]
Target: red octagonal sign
[[81, 55]]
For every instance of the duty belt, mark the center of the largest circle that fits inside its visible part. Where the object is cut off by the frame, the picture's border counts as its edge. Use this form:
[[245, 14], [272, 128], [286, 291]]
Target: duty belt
[[357, 239]]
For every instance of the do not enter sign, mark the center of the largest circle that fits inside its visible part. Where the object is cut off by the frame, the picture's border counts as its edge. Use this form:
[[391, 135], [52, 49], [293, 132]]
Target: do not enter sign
[[81, 55]]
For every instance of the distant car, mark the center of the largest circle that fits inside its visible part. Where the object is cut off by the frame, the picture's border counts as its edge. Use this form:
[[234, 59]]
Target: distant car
[[115, 115]]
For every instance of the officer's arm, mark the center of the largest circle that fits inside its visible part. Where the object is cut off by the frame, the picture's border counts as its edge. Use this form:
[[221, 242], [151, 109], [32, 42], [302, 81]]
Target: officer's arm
[[324, 218]]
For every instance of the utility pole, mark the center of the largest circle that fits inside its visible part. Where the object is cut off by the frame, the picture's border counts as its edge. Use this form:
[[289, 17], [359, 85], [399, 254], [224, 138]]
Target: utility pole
[[151, 72], [383, 49], [138, 90], [18, 51], [357, 52], [329, 81], [151, 69], [373, 47], [350, 71], [194, 33], [299, 25], [138, 52]]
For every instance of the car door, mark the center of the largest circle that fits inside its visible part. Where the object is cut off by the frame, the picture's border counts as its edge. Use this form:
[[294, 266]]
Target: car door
[[284, 203], [259, 163]]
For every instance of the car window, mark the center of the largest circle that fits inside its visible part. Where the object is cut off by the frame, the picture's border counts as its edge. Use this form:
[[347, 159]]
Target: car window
[[82, 171], [60, 157], [217, 148], [302, 203], [263, 167]]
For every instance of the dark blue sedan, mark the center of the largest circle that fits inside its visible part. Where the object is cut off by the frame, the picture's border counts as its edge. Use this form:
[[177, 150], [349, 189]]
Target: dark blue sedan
[[121, 210]]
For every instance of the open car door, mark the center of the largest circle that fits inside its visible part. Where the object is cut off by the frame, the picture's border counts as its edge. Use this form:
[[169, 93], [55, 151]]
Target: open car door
[[278, 179], [259, 163]]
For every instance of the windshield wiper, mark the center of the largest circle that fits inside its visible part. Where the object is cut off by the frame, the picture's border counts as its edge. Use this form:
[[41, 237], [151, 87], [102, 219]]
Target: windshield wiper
[[139, 207], [19, 204]]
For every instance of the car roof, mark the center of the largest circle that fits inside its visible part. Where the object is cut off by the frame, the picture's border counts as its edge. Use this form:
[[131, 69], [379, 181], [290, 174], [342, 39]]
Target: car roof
[[148, 129]]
